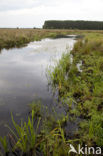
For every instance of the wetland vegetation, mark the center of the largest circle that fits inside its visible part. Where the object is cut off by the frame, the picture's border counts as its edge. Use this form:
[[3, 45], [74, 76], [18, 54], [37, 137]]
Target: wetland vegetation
[[77, 79], [79, 85], [10, 38]]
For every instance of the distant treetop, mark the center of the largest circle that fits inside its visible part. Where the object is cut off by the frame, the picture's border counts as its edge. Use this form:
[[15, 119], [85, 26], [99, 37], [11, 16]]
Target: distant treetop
[[69, 24]]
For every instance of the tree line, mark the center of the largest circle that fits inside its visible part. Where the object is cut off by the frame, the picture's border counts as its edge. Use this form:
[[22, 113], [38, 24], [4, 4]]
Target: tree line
[[69, 24]]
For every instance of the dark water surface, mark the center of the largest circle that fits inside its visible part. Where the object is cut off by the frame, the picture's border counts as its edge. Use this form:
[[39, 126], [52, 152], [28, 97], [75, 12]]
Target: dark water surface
[[23, 77]]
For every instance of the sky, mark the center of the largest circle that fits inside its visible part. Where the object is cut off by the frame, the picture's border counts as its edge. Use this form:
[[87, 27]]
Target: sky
[[33, 13]]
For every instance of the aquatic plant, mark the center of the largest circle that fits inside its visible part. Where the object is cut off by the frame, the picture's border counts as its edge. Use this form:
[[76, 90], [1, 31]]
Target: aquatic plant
[[4, 144], [23, 139], [46, 138], [84, 87]]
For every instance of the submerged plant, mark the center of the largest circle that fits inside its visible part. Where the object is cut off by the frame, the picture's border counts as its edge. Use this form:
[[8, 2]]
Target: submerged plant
[[4, 144], [24, 137], [28, 139]]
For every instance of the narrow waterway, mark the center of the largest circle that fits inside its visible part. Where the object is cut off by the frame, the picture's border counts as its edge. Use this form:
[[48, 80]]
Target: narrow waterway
[[23, 77]]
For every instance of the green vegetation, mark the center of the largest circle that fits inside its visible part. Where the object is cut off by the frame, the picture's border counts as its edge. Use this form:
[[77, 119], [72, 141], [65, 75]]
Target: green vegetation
[[10, 38], [80, 87], [36, 137], [82, 25]]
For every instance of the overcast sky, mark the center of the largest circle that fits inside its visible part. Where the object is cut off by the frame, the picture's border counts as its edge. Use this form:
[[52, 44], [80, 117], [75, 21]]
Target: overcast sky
[[33, 13]]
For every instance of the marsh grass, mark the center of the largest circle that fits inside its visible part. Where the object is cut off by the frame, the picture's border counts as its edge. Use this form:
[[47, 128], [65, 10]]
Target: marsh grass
[[83, 88], [23, 139], [46, 138], [10, 38]]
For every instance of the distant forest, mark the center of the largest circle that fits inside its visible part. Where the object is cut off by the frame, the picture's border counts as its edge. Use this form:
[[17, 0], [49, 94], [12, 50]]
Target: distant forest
[[82, 25]]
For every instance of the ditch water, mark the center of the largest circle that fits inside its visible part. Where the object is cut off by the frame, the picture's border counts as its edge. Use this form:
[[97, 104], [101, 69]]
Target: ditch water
[[23, 77]]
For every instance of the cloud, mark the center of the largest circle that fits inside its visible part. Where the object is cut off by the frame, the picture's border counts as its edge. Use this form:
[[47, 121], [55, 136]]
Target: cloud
[[30, 13], [7, 5]]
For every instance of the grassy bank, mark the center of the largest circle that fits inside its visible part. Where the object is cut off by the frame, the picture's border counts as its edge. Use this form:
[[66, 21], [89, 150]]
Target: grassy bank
[[10, 38], [80, 87]]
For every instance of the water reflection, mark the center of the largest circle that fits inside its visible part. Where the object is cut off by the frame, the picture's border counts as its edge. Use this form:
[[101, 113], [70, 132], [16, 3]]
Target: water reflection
[[23, 79]]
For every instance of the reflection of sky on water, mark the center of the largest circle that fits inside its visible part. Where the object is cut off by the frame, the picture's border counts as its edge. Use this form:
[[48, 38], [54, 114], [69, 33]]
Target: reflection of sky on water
[[23, 77]]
